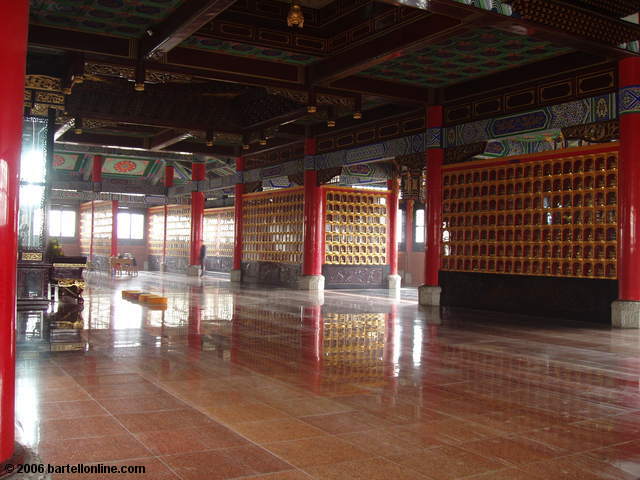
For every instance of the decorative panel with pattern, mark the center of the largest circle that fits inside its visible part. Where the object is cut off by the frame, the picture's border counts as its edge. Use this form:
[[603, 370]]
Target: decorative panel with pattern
[[85, 228], [102, 227]]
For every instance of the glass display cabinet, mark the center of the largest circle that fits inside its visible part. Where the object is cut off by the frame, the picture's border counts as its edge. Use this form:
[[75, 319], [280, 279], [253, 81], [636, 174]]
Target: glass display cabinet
[[33, 268]]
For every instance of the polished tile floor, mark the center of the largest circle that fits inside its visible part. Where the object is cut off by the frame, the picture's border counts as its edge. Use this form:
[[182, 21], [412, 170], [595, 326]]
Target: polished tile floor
[[277, 384]]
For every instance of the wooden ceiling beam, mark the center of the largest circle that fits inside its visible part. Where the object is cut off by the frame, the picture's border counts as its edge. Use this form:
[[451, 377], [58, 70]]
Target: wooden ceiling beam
[[383, 88], [166, 138], [187, 19], [414, 36]]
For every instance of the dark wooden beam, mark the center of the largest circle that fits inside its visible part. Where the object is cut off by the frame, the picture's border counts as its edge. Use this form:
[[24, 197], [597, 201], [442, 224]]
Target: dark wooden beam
[[414, 36], [167, 138], [180, 25], [210, 61], [383, 88], [279, 120], [71, 40]]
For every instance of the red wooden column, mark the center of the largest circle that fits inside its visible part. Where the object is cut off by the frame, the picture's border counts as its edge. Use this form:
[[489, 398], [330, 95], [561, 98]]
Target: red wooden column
[[96, 168], [168, 176], [115, 204], [394, 279], [429, 293], [625, 312], [236, 270], [13, 44], [197, 220], [312, 278]]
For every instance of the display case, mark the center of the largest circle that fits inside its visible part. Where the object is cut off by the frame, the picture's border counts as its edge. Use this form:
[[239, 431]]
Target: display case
[[273, 236], [178, 238], [155, 237], [33, 266], [219, 225], [356, 223], [543, 215]]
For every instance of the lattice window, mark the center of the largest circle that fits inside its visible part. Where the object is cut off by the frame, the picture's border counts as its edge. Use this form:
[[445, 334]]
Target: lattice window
[[273, 226], [355, 227], [555, 216]]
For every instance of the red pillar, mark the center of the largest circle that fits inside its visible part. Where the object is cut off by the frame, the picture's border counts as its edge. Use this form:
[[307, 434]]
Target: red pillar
[[312, 259], [237, 211], [13, 46], [629, 181], [392, 185], [197, 214], [96, 168], [168, 176], [435, 156], [114, 228]]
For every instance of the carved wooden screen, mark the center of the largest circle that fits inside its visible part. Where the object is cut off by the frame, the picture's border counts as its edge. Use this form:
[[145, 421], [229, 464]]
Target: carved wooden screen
[[548, 215], [273, 226], [355, 226]]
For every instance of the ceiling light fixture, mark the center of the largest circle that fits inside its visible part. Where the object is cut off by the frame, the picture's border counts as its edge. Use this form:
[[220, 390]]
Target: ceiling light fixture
[[295, 17]]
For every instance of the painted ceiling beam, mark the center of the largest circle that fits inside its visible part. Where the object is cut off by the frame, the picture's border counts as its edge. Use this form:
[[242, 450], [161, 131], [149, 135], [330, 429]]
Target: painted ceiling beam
[[416, 35], [187, 19], [166, 138], [386, 89]]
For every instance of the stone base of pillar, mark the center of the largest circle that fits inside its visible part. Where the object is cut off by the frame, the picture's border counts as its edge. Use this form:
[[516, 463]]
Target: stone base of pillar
[[432, 315], [235, 276], [311, 282], [429, 295], [193, 270], [163, 268], [625, 314], [395, 282]]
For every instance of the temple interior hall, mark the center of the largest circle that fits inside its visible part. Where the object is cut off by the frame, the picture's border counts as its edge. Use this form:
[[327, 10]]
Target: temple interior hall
[[320, 239]]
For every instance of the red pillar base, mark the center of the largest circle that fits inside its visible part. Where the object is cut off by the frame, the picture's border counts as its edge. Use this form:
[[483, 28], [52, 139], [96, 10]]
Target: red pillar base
[[8, 467]]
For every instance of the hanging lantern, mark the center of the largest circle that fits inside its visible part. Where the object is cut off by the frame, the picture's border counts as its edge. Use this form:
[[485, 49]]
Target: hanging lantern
[[295, 16]]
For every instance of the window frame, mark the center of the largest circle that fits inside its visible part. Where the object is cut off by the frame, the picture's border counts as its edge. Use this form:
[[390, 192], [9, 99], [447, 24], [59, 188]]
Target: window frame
[[63, 238], [419, 246], [402, 212], [133, 241]]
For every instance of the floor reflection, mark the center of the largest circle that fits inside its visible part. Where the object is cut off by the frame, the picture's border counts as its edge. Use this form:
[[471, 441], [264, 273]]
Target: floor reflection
[[254, 381]]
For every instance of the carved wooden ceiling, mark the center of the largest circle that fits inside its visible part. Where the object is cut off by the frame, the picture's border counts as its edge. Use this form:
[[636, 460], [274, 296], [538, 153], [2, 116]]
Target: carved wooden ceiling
[[180, 75]]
